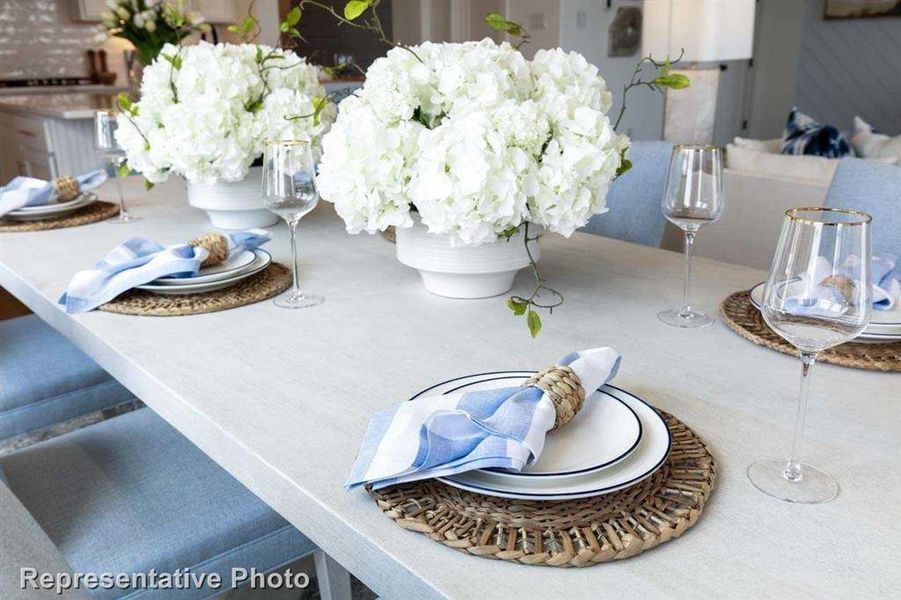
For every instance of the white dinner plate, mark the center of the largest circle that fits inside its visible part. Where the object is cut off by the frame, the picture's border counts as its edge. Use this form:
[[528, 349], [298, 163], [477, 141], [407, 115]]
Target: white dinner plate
[[885, 325], [224, 270], [648, 456], [261, 261], [46, 211], [605, 432]]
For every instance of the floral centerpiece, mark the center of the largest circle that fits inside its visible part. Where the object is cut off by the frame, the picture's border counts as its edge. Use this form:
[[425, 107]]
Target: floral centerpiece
[[149, 24], [205, 114]]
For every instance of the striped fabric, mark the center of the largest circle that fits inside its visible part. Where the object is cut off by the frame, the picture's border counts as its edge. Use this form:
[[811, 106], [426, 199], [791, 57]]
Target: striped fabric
[[452, 433]]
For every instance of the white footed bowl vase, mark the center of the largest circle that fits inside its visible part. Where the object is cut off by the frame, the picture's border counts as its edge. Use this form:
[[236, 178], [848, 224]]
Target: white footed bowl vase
[[465, 271], [236, 205]]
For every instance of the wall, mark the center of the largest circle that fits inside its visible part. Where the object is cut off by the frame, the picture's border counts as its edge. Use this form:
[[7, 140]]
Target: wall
[[40, 38], [850, 67], [644, 116]]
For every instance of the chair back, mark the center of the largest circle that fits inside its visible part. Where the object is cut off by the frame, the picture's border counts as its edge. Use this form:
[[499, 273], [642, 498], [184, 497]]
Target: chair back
[[634, 198], [875, 189]]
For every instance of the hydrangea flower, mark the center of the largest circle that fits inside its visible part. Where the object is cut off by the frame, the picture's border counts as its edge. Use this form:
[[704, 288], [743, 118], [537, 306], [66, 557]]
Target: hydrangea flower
[[211, 131], [476, 139]]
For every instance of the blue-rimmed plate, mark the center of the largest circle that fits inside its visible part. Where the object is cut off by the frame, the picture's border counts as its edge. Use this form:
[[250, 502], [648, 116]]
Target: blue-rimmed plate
[[648, 456], [605, 432]]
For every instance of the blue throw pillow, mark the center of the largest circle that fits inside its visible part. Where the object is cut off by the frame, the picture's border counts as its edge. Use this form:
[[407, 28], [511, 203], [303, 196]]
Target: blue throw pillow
[[803, 135]]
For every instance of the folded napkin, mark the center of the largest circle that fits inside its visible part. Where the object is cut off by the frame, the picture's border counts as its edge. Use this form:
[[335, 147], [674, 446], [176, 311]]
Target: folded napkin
[[28, 191], [139, 261], [442, 435], [824, 295]]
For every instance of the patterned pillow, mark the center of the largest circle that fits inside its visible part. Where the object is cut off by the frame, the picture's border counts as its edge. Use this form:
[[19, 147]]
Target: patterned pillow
[[803, 135]]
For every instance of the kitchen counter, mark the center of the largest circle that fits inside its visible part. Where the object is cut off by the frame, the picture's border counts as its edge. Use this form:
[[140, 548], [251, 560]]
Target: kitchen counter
[[93, 88], [57, 106]]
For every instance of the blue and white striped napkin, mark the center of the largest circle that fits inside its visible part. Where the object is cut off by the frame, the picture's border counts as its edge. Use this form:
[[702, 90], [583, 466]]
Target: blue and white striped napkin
[[139, 261], [446, 434], [28, 191], [814, 299]]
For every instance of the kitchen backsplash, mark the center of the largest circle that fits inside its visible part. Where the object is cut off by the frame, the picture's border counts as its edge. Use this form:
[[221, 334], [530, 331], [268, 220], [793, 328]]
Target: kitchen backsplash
[[40, 38]]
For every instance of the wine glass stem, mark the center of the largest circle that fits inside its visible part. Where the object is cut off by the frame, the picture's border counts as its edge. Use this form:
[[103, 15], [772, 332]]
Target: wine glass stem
[[292, 226], [686, 290], [792, 466], [116, 165]]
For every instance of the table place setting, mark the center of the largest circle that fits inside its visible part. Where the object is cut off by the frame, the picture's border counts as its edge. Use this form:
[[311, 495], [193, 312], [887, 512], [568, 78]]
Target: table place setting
[[850, 304], [30, 204], [557, 468], [211, 272]]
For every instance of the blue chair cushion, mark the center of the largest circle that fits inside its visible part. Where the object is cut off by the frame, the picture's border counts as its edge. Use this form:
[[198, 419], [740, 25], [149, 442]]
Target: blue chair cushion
[[874, 188], [132, 494], [44, 379], [634, 198]]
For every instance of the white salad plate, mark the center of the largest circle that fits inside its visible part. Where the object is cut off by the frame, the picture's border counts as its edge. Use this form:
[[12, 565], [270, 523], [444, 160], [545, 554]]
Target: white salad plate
[[260, 262], [44, 211], [885, 325], [605, 432], [647, 457], [224, 270]]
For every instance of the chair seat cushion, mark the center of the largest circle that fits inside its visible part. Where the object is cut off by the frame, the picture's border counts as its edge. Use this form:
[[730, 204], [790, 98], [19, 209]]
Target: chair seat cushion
[[44, 379], [132, 494]]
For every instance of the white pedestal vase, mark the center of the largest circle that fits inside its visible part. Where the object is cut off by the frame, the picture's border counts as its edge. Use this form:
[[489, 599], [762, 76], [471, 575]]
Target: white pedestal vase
[[234, 206], [465, 271]]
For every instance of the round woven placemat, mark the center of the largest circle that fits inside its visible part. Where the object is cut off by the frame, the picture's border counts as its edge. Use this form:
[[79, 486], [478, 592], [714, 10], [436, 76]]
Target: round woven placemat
[[564, 533], [269, 282], [743, 318], [92, 213]]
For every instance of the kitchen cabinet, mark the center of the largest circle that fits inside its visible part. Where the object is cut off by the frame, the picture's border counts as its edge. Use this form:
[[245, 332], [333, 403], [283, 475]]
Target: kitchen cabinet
[[215, 11]]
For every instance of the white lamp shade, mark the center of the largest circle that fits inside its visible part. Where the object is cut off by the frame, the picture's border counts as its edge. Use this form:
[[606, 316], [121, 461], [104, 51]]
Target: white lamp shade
[[708, 30]]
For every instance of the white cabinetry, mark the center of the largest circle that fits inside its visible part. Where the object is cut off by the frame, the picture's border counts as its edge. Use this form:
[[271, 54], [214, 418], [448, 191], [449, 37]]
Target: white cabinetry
[[45, 147], [215, 11]]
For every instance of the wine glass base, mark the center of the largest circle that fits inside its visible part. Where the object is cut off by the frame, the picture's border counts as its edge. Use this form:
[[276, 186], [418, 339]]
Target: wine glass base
[[814, 487], [289, 300], [124, 218], [692, 319]]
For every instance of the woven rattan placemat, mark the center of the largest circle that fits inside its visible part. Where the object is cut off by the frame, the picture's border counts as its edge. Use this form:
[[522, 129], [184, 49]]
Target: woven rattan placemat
[[270, 282], [742, 317], [566, 533], [92, 213]]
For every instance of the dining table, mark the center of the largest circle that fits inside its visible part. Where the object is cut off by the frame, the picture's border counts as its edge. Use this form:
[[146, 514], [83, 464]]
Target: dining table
[[281, 400]]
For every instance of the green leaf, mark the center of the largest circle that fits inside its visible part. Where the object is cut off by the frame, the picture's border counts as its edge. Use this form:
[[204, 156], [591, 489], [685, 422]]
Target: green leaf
[[284, 27], [124, 171], [510, 232], [293, 16], [234, 29], [676, 81], [175, 61], [624, 166], [517, 306], [534, 323], [259, 56], [125, 104], [248, 24], [355, 8], [496, 21], [148, 185]]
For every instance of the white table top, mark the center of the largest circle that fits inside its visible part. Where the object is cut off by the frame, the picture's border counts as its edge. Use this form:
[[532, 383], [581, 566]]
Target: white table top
[[281, 400]]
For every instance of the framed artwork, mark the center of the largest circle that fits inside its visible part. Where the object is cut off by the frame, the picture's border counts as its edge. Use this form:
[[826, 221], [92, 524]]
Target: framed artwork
[[861, 9]]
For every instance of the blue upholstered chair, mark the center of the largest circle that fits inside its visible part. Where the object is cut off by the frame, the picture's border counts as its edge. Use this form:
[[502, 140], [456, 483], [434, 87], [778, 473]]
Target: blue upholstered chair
[[634, 198], [875, 189], [45, 380], [131, 494]]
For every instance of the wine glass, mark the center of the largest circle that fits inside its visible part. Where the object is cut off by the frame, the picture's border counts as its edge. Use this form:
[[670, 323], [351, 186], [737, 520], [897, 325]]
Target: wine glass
[[289, 190], [105, 125], [693, 198], [818, 295]]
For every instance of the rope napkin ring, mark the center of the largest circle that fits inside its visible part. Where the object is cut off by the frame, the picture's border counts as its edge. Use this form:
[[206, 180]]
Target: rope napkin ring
[[66, 188], [214, 243], [565, 390]]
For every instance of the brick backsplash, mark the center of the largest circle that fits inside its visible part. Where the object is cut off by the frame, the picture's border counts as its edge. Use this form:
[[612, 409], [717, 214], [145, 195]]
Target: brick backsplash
[[40, 38]]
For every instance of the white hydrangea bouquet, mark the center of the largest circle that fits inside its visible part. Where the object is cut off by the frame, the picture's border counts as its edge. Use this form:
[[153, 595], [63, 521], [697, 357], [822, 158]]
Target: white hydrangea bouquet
[[207, 110], [475, 139]]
